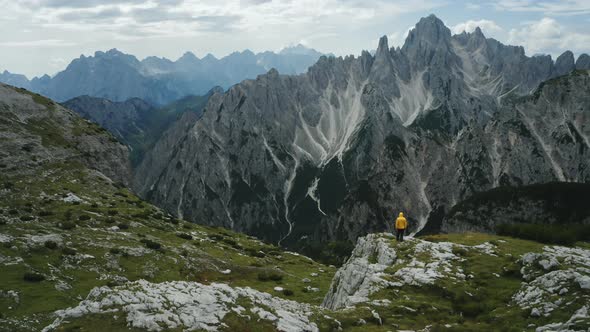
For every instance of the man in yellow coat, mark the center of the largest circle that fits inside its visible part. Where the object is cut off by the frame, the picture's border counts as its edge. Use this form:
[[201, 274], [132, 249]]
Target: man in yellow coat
[[400, 226]]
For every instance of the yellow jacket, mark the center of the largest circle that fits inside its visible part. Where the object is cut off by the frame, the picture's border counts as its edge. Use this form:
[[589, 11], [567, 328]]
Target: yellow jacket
[[401, 222]]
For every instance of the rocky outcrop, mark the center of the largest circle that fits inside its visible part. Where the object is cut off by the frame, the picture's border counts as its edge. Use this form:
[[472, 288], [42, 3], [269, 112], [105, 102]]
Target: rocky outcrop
[[35, 131], [583, 62], [377, 263], [189, 305], [336, 153], [362, 274]]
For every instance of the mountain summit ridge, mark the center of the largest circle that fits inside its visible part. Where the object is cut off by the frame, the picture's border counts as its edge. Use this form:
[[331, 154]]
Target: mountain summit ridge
[[332, 154], [118, 76]]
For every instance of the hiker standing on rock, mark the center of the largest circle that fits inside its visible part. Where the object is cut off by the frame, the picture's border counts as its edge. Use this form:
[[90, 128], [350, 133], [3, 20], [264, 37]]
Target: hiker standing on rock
[[400, 227]]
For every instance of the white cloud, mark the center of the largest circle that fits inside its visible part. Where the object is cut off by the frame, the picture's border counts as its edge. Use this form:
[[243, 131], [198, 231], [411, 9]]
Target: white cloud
[[548, 7], [487, 26], [37, 43], [548, 36], [398, 38]]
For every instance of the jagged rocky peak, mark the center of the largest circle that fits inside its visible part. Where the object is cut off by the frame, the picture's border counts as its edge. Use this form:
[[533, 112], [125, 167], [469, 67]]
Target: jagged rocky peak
[[564, 63], [383, 47], [188, 56], [341, 147], [430, 30], [429, 44], [583, 62]]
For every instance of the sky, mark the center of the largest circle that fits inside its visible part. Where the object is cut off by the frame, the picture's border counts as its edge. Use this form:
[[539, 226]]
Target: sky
[[43, 36]]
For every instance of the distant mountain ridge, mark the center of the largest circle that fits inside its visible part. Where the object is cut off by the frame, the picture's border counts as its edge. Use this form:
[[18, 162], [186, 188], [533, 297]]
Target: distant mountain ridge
[[117, 76], [135, 122]]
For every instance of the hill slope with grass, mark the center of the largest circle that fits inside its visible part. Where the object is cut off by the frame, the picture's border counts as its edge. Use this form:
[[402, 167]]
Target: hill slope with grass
[[68, 233], [563, 205]]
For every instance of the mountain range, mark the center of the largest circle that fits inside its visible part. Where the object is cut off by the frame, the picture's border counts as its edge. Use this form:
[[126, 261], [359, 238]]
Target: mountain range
[[118, 76], [335, 153], [135, 122]]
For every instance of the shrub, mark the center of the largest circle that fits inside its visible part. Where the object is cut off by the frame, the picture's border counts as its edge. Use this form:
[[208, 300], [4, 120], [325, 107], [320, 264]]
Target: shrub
[[13, 212], [50, 245], [113, 212], [67, 225], [68, 251], [231, 242], [142, 215], [151, 244], [270, 276], [84, 217], [123, 226], [255, 253], [564, 234], [44, 213], [459, 251], [184, 236], [110, 221], [287, 292], [33, 277], [215, 237], [27, 218], [115, 251]]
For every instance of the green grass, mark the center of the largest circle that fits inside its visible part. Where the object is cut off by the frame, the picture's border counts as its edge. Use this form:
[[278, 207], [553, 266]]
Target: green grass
[[179, 257], [564, 234]]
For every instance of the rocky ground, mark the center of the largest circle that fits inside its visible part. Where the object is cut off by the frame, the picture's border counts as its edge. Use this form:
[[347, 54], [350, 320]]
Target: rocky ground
[[464, 282], [75, 249]]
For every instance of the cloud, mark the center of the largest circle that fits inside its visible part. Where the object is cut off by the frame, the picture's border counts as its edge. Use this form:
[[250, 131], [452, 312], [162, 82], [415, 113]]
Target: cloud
[[488, 27], [60, 4], [397, 38], [37, 43], [548, 7], [548, 36], [106, 14]]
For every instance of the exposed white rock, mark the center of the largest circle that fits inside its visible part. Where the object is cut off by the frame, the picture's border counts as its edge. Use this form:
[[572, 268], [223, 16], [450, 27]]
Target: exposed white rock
[[34, 240], [186, 305], [580, 315], [358, 278], [566, 266], [364, 272], [71, 198], [420, 273], [5, 238]]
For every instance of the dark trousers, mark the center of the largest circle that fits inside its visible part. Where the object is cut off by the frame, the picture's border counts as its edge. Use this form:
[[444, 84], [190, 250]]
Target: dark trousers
[[399, 234]]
